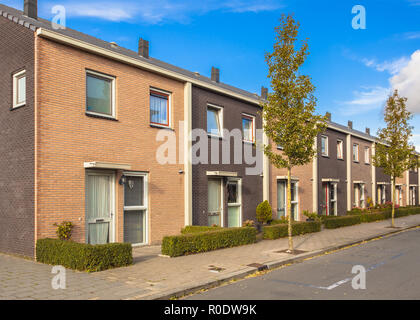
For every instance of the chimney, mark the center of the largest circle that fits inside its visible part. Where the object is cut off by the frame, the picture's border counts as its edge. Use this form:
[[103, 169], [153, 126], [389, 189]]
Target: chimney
[[350, 124], [368, 131], [30, 8], [215, 74], [328, 115], [144, 48], [264, 93]]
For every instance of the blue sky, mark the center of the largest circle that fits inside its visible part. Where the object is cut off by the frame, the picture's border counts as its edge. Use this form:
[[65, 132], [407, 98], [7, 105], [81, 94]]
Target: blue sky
[[353, 70]]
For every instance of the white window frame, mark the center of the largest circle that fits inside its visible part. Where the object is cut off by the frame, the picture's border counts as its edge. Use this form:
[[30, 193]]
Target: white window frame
[[113, 94], [144, 207], [356, 154], [169, 107], [381, 190], [412, 195], [340, 156], [367, 155], [324, 154], [16, 77], [220, 117], [296, 202], [399, 195], [239, 196], [249, 117], [359, 195]]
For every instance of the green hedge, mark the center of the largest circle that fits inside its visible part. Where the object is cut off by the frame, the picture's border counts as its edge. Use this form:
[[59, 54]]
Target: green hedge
[[197, 229], [82, 256], [184, 244], [277, 221], [344, 221], [298, 228]]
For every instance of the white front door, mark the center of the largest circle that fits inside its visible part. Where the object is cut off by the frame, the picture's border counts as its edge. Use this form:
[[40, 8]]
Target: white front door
[[100, 207]]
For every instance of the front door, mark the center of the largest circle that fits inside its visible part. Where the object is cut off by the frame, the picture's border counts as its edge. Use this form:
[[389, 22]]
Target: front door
[[234, 203], [100, 208]]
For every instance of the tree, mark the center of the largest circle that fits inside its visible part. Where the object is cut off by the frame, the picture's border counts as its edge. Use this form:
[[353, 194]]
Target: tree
[[395, 153], [288, 113]]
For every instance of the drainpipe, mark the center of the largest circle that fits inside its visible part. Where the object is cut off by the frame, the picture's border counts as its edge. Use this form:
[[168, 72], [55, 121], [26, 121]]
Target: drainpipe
[[315, 178], [348, 160], [373, 175]]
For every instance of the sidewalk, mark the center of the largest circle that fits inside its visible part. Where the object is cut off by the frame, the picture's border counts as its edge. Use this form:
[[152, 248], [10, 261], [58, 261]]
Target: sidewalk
[[154, 277]]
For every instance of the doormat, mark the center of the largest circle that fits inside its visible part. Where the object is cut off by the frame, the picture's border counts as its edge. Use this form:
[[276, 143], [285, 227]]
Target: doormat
[[215, 269], [294, 252], [259, 266]]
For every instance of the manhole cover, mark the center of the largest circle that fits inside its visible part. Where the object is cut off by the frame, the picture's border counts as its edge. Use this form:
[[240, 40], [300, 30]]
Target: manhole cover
[[259, 266], [294, 252]]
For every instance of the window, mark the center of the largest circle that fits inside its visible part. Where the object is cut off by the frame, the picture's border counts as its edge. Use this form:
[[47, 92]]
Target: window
[[135, 208], [19, 89], [248, 128], [214, 120], [412, 196], [234, 203], [367, 155], [355, 152], [100, 94], [359, 195], [381, 194], [399, 195], [214, 202], [324, 146], [329, 199], [159, 108], [282, 199], [340, 150]]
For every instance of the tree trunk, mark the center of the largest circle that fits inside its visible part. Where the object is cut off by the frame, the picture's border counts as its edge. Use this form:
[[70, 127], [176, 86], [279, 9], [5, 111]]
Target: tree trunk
[[393, 201], [289, 207]]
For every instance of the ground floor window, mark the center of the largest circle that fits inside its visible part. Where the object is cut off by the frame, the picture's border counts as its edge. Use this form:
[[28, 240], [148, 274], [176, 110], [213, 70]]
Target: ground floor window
[[99, 207], [282, 199], [359, 195], [329, 198], [234, 203], [412, 195], [135, 208], [398, 195], [214, 202], [381, 194]]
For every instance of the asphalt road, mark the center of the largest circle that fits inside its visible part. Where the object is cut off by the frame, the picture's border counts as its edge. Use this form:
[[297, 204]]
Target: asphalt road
[[392, 265]]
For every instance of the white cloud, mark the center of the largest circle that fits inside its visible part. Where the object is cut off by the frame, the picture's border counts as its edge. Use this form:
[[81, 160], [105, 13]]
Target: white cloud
[[412, 35], [370, 98], [392, 67], [161, 11], [407, 81]]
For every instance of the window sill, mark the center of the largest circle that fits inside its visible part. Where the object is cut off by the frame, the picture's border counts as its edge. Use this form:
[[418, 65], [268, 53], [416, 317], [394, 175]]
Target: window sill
[[341, 159], [325, 156], [248, 142], [17, 107], [214, 136], [98, 116], [158, 126]]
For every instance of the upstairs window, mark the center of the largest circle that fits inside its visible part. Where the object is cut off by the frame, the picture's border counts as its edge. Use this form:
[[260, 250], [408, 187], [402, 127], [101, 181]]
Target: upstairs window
[[100, 98], [19, 89], [367, 155], [159, 108], [214, 120], [355, 152], [248, 130], [340, 150], [324, 146]]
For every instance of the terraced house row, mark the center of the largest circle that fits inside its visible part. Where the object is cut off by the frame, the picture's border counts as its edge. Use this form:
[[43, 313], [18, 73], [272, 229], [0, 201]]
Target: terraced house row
[[82, 127]]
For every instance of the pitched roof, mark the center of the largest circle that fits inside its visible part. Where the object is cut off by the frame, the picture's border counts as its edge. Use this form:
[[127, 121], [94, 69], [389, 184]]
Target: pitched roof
[[18, 17]]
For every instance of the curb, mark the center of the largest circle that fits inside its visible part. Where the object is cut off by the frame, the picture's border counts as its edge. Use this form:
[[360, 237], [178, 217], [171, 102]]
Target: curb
[[241, 274]]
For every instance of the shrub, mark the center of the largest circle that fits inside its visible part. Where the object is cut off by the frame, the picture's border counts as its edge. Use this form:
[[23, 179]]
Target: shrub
[[197, 229], [344, 221], [264, 213], [180, 245], [298, 228], [64, 230], [371, 217], [82, 256], [278, 221], [249, 223]]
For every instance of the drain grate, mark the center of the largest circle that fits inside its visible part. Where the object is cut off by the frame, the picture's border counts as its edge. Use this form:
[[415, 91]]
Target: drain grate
[[294, 252], [259, 266]]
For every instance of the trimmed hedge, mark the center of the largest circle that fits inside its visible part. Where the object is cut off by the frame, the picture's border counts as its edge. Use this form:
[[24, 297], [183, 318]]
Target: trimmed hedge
[[298, 228], [277, 221], [191, 243], [344, 221], [197, 229], [82, 256]]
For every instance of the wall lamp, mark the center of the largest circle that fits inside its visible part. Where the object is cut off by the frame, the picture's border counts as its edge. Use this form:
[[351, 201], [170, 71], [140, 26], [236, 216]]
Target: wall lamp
[[123, 180]]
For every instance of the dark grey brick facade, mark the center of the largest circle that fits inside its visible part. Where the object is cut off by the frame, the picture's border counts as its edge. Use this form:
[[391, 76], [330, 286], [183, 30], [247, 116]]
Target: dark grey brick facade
[[17, 225]]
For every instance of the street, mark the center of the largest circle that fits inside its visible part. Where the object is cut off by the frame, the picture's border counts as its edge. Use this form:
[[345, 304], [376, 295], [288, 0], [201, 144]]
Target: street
[[392, 265]]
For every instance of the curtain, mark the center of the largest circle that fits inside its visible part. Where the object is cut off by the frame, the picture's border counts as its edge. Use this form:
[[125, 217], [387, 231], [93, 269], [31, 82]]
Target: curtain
[[281, 199], [159, 109], [233, 217], [21, 92], [214, 196], [98, 233], [98, 197]]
